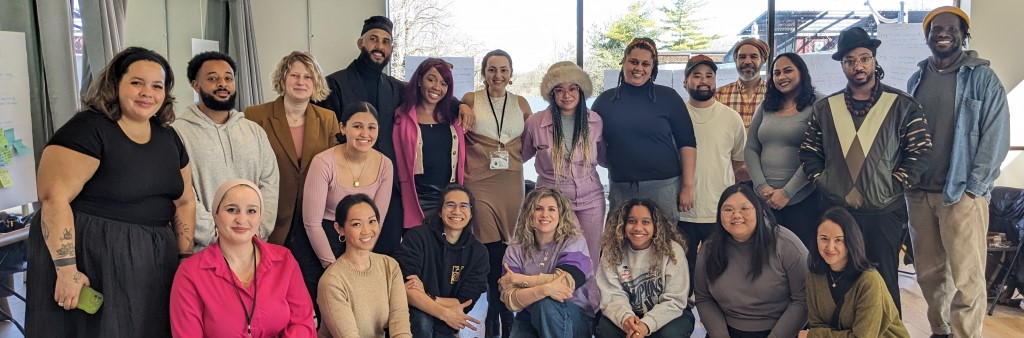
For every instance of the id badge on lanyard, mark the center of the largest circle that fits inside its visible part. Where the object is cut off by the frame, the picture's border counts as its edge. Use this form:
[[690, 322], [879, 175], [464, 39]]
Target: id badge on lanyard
[[499, 159]]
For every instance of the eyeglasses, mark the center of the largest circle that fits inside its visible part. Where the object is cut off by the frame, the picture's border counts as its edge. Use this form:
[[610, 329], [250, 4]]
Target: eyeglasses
[[450, 206], [571, 91], [744, 210], [852, 62]]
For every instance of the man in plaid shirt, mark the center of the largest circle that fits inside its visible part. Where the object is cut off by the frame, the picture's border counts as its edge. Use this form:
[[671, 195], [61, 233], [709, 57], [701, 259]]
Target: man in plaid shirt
[[748, 91]]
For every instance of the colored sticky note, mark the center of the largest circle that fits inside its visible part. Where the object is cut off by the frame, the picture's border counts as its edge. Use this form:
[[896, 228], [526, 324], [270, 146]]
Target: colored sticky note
[[9, 135], [5, 154], [5, 179], [20, 148]]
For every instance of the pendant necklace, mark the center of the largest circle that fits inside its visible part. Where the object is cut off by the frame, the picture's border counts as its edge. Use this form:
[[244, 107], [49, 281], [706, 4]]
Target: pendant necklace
[[833, 278], [355, 178]]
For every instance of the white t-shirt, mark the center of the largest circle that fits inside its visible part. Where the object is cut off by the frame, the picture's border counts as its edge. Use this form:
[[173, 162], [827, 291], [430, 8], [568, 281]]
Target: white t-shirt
[[720, 140]]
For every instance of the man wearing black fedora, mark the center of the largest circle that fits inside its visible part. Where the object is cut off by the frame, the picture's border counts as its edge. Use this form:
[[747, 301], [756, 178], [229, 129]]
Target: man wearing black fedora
[[864, 146]]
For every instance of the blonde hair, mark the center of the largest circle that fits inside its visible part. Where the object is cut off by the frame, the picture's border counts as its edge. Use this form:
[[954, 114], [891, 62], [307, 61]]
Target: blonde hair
[[568, 225], [665, 232], [320, 89]]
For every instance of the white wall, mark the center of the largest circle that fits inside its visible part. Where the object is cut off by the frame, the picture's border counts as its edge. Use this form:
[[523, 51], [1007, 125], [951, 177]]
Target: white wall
[[326, 28], [995, 39]]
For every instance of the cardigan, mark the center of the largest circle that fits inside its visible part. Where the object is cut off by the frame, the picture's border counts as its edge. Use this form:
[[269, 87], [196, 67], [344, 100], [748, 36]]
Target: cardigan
[[406, 134], [868, 309], [205, 296], [321, 128]]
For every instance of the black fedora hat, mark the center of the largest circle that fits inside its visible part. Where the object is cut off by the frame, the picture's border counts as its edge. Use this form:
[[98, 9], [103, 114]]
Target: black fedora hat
[[852, 38]]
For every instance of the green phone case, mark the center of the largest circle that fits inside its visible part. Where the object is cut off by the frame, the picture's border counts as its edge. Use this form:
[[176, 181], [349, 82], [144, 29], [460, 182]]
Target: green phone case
[[90, 300]]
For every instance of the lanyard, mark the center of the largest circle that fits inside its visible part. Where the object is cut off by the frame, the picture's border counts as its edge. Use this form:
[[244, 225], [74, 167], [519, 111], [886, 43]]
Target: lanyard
[[248, 313], [500, 122]]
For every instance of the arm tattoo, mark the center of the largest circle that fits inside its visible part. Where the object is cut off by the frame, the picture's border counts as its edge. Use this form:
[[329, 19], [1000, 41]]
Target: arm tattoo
[[66, 250], [43, 225], [64, 262], [67, 235]]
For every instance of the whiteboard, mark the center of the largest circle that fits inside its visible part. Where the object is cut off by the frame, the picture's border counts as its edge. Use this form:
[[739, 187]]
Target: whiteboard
[[826, 74], [462, 72], [903, 46], [17, 157]]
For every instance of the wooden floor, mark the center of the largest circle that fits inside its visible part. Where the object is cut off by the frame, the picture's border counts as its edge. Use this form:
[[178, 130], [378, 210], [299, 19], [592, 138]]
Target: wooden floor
[[1005, 322]]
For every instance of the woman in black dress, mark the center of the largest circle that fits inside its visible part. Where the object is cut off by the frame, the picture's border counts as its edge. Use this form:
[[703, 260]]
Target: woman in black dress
[[111, 181]]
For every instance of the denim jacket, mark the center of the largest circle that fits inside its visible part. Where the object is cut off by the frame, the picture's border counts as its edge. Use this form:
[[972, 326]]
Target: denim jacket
[[982, 135]]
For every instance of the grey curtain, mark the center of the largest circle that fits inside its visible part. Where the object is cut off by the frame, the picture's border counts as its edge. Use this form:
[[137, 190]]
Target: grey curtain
[[103, 30], [53, 95], [242, 41]]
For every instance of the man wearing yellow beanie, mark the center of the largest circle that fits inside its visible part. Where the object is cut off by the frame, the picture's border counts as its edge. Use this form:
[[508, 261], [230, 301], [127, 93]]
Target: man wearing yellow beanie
[[949, 207]]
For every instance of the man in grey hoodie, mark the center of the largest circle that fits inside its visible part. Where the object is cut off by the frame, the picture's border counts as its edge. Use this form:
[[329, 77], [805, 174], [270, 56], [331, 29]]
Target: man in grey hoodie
[[223, 145], [949, 208]]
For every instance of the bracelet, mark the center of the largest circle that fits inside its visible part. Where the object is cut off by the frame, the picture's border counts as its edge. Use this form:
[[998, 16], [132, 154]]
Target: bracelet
[[64, 262]]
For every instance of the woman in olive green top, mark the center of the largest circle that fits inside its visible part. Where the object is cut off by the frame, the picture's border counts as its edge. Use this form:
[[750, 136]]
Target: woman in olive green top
[[845, 295]]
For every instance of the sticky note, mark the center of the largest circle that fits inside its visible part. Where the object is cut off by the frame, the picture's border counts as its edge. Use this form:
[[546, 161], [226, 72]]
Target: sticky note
[[20, 148], [5, 179], [9, 135], [5, 154]]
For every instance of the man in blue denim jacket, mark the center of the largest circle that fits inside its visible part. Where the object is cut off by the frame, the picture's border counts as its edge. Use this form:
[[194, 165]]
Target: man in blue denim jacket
[[949, 207]]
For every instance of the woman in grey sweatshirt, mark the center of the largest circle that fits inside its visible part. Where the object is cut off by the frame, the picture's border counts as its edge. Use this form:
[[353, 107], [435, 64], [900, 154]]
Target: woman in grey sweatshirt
[[750, 273], [643, 276]]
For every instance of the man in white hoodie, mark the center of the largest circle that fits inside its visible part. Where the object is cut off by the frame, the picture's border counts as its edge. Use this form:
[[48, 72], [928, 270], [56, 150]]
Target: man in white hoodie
[[223, 145]]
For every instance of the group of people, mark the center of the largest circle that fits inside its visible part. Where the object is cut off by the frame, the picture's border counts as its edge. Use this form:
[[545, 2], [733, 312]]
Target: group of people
[[358, 205]]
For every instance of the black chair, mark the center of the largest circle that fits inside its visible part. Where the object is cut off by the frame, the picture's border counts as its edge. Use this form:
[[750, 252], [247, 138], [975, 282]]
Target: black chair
[[1006, 215], [13, 233]]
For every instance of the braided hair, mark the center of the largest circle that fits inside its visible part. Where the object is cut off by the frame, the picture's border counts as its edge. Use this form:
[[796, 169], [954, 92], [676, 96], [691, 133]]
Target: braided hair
[[580, 133], [646, 44]]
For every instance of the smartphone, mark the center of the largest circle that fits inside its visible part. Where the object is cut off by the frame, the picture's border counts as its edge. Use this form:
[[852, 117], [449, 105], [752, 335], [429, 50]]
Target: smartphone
[[89, 300]]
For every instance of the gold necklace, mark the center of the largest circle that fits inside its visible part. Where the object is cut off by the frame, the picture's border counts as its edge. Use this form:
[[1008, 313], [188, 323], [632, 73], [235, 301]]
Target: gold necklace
[[294, 119], [351, 173]]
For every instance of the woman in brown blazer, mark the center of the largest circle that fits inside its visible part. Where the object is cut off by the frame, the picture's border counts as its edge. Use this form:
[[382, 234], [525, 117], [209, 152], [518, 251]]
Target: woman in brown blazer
[[298, 130]]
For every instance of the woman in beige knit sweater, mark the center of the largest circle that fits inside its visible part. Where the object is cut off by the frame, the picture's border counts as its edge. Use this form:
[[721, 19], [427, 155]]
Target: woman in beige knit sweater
[[361, 295], [845, 295]]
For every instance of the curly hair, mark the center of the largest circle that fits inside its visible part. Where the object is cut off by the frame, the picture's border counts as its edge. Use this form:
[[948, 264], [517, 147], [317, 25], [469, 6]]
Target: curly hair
[[614, 241], [320, 89], [568, 225], [103, 95]]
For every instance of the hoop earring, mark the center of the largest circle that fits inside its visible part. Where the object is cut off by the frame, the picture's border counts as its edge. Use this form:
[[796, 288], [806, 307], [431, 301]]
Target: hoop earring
[[509, 82], [341, 238]]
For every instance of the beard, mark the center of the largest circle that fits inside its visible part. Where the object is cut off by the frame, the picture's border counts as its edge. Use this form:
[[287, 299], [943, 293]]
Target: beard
[[365, 56], [748, 72], [701, 95], [216, 104], [954, 48]]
